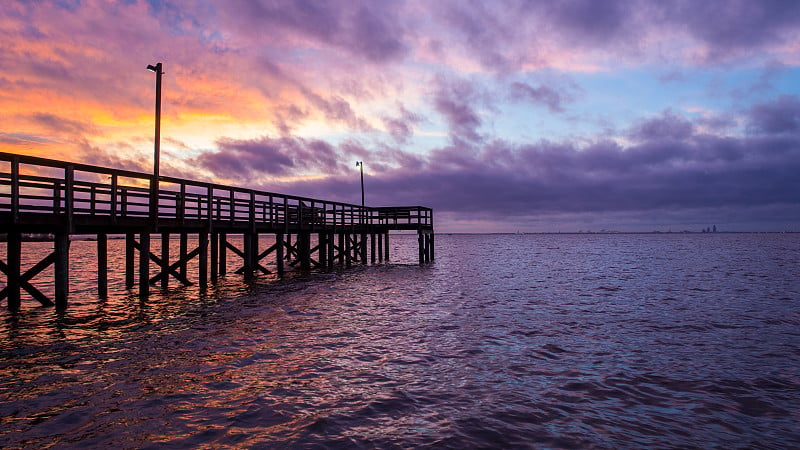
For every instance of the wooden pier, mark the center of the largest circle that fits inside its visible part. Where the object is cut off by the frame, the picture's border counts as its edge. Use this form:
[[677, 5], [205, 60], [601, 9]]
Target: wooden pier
[[63, 199]]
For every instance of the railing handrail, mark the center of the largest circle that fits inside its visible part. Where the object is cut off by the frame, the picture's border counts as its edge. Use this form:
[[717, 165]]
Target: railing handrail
[[205, 204]]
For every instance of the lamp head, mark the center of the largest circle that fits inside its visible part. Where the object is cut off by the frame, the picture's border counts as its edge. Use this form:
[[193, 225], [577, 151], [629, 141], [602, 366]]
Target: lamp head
[[156, 68]]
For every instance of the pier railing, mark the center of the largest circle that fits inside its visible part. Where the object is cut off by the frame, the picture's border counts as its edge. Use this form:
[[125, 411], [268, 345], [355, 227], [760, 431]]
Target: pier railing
[[41, 191]]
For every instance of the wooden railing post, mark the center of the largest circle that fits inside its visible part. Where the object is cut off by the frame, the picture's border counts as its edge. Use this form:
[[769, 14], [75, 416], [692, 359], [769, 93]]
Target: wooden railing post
[[114, 198], [210, 205], [182, 204], [69, 196], [15, 189], [252, 212]]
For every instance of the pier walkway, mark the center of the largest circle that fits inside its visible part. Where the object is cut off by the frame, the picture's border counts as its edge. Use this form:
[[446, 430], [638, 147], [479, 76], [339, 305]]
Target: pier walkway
[[60, 199]]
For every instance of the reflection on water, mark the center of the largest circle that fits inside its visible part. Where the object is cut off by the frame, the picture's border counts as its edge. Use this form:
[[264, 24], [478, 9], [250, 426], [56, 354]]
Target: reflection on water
[[506, 341]]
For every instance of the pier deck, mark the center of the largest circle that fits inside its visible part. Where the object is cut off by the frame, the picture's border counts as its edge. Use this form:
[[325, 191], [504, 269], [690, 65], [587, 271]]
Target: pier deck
[[62, 199]]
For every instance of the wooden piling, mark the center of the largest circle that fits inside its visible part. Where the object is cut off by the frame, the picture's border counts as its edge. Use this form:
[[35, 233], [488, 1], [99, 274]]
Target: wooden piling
[[183, 250], [322, 245], [248, 255], [432, 246], [304, 250], [421, 244], [164, 259], [61, 268], [144, 265], [279, 245], [202, 269], [214, 257], [13, 275], [372, 247], [348, 252], [102, 265], [363, 248], [380, 247], [130, 267], [223, 254]]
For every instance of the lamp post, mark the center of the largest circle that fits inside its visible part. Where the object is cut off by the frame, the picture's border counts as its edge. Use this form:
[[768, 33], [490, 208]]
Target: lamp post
[[156, 144], [360, 164]]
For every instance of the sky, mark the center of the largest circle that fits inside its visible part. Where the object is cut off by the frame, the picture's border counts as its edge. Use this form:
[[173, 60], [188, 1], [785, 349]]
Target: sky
[[502, 115]]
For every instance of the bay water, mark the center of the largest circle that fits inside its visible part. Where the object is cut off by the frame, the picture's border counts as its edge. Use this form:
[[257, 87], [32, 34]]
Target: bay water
[[505, 341]]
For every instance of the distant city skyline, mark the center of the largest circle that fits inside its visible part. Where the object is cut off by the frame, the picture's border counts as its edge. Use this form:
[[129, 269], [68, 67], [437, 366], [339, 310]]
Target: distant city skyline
[[503, 116]]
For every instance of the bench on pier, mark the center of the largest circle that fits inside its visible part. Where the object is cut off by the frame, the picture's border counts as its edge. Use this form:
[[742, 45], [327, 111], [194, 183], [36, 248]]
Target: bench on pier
[[306, 215], [394, 214]]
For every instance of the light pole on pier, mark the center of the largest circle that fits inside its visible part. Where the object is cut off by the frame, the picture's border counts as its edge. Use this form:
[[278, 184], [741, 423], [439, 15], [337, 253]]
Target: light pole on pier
[[360, 164], [157, 143]]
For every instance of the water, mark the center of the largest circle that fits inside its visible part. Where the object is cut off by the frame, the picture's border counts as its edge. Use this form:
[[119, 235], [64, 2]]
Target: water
[[506, 341]]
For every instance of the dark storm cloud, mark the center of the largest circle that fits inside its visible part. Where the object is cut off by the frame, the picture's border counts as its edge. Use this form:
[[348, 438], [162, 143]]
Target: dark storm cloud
[[241, 159], [670, 167], [590, 22], [781, 116], [667, 127], [502, 35], [731, 25], [368, 29]]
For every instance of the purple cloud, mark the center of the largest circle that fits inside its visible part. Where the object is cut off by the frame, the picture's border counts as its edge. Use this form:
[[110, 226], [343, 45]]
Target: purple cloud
[[366, 29], [401, 127], [454, 100], [338, 109], [670, 170], [239, 159], [780, 116], [543, 95], [667, 127]]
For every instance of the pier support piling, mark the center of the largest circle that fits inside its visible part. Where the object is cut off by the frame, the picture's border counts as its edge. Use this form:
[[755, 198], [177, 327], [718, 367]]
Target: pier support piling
[[279, 245], [102, 265], [130, 267], [61, 269], [214, 257], [14, 256], [144, 265], [165, 259]]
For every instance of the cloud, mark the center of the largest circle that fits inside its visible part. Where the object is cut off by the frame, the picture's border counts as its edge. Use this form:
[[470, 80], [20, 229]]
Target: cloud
[[667, 127], [337, 109], [252, 158], [55, 123], [456, 100], [727, 26], [780, 116], [543, 95], [366, 29], [401, 127], [669, 170]]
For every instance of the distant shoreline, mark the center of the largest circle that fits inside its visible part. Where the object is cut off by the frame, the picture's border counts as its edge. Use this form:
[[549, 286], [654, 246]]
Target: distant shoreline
[[49, 238]]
